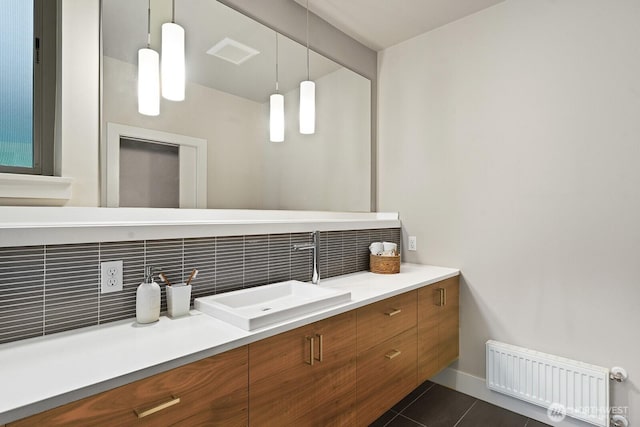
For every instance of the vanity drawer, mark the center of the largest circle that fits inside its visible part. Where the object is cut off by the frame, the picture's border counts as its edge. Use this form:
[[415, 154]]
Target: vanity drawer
[[385, 374], [382, 320], [215, 388]]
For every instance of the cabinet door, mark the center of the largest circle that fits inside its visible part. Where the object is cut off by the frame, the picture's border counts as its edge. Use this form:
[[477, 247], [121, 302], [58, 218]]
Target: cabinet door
[[438, 327], [428, 342], [449, 327], [305, 377], [386, 374], [216, 387]]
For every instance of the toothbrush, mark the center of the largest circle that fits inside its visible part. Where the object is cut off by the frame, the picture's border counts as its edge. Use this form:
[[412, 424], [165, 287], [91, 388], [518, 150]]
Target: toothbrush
[[192, 276], [164, 279]]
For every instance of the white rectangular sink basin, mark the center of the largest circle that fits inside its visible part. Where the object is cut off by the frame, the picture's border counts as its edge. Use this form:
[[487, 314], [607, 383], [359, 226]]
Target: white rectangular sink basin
[[264, 305]]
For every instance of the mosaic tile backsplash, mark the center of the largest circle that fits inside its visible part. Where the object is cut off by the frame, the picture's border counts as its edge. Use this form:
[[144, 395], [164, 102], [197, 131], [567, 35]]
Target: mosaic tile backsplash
[[54, 288]]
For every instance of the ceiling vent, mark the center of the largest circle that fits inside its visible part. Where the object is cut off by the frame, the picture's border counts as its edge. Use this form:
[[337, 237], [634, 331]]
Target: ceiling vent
[[232, 51]]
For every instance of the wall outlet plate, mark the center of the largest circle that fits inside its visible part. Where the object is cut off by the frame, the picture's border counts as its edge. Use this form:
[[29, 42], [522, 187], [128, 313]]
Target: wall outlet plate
[[110, 277], [413, 243]]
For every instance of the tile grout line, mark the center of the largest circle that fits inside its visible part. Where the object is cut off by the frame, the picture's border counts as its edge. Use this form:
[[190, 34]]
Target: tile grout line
[[44, 290], [418, 397], [466, 412], [216, 246], [411, 419], [100, 277], [392, 418], [215, 265]]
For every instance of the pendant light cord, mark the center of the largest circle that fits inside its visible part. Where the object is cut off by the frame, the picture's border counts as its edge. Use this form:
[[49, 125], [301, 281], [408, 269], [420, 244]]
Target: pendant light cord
[[276, 62], [149, 24], [308, 40], [173, 12]]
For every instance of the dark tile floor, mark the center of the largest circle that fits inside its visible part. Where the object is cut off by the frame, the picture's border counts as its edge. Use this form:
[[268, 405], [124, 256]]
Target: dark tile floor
[[432, 405]]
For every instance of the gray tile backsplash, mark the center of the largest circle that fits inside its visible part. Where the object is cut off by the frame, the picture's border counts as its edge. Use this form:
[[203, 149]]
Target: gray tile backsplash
[[21, 293], [54, 288]]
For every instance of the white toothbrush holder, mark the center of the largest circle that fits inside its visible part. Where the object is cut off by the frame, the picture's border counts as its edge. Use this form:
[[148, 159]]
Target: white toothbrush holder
[[178, 300]]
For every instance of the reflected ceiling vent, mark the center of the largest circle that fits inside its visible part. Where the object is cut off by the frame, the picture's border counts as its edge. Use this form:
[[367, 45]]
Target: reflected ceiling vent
[[232, 51]]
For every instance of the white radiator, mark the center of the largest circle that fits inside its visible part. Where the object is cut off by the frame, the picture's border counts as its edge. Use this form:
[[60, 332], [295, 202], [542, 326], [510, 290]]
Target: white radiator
[[544, 379]]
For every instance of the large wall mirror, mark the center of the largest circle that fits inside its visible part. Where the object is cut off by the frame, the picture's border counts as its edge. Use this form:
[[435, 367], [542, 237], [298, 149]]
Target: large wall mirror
[[227, 108]]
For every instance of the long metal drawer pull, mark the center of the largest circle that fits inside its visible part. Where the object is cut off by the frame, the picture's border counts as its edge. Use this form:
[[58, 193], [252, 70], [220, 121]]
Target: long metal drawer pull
[[441, 297], [392, 354], [444, 296], [393, 312], [319, 358], [311, 346], [141, 413]]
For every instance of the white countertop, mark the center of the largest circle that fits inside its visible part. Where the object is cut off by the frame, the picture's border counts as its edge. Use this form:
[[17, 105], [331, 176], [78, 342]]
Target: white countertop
[[41, 373]]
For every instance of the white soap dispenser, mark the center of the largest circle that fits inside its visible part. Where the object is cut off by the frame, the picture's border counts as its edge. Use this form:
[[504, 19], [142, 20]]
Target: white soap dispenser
[[148, 299]]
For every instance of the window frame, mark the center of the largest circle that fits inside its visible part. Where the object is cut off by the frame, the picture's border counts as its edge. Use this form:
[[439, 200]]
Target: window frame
[[45, 35]]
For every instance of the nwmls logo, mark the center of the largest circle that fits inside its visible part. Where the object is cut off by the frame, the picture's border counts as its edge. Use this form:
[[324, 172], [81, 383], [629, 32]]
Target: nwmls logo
[[558, 412]]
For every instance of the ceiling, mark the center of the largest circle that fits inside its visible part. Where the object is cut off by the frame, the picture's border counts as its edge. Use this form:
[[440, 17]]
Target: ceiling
[[207, 22], [379, 24]]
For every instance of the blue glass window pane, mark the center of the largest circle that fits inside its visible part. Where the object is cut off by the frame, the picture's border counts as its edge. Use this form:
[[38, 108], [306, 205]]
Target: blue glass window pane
[[16, 83]]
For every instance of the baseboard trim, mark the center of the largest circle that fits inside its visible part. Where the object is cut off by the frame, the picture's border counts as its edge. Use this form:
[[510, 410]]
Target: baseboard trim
[[476, 387]]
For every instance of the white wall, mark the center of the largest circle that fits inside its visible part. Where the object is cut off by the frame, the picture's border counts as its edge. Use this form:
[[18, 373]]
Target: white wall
[[230, 124], [329, 170], [510, 143], [77, 121]]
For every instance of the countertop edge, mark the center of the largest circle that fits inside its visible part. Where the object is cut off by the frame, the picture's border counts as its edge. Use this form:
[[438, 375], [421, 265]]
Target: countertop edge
[[35, 407]]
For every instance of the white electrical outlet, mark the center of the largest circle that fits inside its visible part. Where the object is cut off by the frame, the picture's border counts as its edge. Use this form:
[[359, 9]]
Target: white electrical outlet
[[413, 243], [111, 277]]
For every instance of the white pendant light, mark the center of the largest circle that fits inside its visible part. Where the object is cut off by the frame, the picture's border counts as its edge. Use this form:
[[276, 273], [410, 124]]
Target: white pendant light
[[276, 118], [148, 76], [173, 62], [276, 109], [307, 116], [307, 107]]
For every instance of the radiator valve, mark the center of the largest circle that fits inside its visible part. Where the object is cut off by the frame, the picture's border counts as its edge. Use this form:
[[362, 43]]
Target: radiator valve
[[619, 421], [618, 374]]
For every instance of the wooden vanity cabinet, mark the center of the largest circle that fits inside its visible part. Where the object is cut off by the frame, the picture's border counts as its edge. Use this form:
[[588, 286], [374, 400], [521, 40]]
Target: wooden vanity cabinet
[[212, 391], [342, 371], [438, 327], [387, 355], [305, 377]]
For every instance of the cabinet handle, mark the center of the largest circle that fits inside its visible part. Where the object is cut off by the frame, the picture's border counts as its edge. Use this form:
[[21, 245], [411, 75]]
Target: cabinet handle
[[141, 413], [442, 300], [311, 346], [392, 354], [393, 312], [319, 358]]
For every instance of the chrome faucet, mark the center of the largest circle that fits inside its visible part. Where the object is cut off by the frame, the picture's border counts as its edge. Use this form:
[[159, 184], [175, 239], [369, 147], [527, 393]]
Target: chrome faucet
[[315, 247]]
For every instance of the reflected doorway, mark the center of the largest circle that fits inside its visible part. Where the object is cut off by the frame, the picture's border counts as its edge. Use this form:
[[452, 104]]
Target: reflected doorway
[[149, 174], [150, 168]]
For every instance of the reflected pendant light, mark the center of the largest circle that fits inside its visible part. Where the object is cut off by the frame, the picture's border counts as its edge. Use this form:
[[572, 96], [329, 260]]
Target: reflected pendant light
[[276, 109], [307, 115], [148, 76], [173, 62]]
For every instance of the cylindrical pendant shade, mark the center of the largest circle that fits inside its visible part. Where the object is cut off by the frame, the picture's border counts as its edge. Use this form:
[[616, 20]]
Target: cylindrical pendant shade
[[173, 62], [148, 82], [307, 107], [276, 118]]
